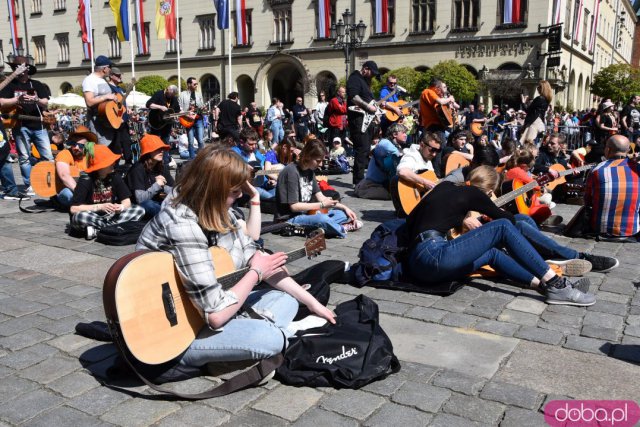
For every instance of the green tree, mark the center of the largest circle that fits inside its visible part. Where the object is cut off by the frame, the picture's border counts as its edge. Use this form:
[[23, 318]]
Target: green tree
[[461, 83], [77, 90], [151, 84], [408, 78], [183, 83], [617, 82]]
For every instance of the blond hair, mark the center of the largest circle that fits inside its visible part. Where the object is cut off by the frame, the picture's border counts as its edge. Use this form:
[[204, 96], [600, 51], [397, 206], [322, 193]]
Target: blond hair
[[485, 178], [545, 90], [206, 184]]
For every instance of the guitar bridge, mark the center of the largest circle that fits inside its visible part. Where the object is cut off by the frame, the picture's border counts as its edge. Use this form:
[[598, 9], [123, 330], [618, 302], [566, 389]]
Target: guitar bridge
[[169, 304]]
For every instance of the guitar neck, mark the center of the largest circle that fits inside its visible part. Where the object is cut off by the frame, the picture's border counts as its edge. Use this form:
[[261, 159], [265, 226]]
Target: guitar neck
[[512, 195], [578, 169], [228, 280]]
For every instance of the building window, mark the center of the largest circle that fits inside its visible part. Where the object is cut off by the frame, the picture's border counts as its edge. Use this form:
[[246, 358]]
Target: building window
[[207, 35], [567, 24], [16, 8], [576, 15], [40, 52], [424, 16], [466, 14], [63, 47], [248, 26], [86, 53], [332, 18], [36, 7], [18, 45], [147, 40], [513, 21], [282, 25], [172, 44], [114, 43], [390, 19], [59, 5], [585, 28]]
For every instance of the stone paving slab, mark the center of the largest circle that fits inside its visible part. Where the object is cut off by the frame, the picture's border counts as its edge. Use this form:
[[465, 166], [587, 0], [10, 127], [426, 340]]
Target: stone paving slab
[[479, 357]]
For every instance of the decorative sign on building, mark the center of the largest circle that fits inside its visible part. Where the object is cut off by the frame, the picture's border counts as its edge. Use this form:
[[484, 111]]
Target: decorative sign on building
[[493, 50]]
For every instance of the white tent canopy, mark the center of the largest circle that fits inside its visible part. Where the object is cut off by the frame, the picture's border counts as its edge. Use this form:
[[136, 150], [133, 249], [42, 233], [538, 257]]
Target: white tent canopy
[[68, 100], [137, 99]]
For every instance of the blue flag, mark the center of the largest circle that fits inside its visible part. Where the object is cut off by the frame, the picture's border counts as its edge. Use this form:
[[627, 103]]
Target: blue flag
[[222, 6]]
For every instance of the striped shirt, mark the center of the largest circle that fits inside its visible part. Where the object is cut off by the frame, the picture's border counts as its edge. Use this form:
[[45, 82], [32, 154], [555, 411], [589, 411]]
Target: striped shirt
[[612, 192], [176, 230]]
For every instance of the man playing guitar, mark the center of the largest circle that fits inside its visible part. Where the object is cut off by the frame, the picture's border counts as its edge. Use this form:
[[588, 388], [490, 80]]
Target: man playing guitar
[[160, 103], [387, 92], [96, 90], [359, 95], [432, 100], [192, 101], [31, 97], [73, 156], [121, 143]]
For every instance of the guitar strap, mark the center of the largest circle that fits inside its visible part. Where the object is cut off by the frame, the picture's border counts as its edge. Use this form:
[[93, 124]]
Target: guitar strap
[[243, 380]]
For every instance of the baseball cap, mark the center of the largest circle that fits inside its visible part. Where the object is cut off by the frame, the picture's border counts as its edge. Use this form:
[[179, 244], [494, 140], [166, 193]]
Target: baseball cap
[[102, 61], [372, 66]]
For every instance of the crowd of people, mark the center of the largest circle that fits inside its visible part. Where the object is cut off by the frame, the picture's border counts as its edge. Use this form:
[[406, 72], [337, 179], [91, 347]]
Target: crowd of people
[[454, 161]]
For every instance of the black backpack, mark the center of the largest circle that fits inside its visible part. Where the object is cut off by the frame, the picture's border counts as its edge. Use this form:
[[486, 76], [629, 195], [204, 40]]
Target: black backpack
[[381, 255], [124, 233], [350, 354]]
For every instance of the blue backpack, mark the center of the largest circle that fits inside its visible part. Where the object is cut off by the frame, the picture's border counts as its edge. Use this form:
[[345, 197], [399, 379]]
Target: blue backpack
[[381, 256]]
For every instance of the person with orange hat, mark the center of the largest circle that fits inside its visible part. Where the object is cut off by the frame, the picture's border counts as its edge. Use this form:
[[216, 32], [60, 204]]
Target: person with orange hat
[[101, 197], [149, 178], [72, 157]]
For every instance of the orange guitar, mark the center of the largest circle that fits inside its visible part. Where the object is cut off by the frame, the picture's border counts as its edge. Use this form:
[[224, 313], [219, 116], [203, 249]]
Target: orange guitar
[[409, 195], [45, 180], [455, 161], [562, 172], [113, 111], [146, 304], [404, 106]]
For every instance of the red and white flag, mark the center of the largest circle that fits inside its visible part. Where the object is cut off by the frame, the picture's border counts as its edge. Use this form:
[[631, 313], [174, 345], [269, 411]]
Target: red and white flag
[[556, 11], [577, 26], [594, 27], [382, 16], [511, 12], [13, 24], [242, 37], [84, 19], [324, 18], [141, 34]]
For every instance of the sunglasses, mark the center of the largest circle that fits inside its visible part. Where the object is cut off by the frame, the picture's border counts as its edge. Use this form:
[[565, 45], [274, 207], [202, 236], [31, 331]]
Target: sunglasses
[[433, 149]]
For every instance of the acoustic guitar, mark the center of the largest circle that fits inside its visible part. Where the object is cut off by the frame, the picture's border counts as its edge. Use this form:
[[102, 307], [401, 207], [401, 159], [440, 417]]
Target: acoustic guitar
[[146, 304], [45, 180], [13, 118], [404, 106], [113, 111], [409, 195], [159, 119], [562, 172], [455, 161]]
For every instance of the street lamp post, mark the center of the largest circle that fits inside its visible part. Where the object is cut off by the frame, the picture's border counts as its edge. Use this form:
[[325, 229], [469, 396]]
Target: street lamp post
[[348, 36]]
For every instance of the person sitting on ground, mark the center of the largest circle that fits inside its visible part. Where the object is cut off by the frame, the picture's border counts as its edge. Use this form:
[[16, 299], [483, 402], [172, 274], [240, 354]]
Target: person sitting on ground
[[419, 158], [287, 151], [445, 207], [101, 197], [298, 195], [149, 179], [198, 214], [383, 164], [247, 148], [72, 157], [337, 149]]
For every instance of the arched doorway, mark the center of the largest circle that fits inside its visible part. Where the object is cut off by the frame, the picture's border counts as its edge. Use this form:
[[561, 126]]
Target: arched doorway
[[285, 83], [326, 82], [510, 66], [210, 87], [246, 89], [587, 94], [65, 87]]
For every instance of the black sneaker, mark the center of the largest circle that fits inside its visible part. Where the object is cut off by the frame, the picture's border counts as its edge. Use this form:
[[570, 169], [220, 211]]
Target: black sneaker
[[14, 196], [600, 263]]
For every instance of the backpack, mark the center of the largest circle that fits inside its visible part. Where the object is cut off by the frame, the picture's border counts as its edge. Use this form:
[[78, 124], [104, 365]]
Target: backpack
[[382, 254], [350, 354], [326, 116], [124, 233], [342, 163]]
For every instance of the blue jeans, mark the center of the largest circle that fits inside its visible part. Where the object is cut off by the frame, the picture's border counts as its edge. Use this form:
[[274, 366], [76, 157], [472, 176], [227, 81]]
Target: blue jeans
[[455, 259], [24, 137], [330, 222], [7, 179], [246, 338], [266, 194], [278, 131], [198, 130], [64, 197], [151, 208], [546, 247]]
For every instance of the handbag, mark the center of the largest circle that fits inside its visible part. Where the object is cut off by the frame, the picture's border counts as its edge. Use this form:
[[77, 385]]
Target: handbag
[[350, 354]]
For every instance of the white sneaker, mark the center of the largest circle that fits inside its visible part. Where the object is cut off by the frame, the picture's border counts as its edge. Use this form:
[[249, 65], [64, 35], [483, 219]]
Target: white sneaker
[[311, 321], [29, 191], [91, 232]]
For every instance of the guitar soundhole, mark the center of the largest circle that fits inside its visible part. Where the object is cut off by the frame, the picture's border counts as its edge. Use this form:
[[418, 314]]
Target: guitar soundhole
[[169, 305]]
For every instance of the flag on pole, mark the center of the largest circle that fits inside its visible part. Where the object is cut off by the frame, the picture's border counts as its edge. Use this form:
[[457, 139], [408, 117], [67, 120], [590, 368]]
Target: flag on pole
[[242, 37], [165, 19], [84, 19], [222, 6], [13, 24], [140, 30], [382, 18], [594, 27], [120, 9], [511, 12], [556, 11], [578, 22], [324, 18]]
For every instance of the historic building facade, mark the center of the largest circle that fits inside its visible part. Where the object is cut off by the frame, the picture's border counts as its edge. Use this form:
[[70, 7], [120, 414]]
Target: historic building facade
[[285, 57]]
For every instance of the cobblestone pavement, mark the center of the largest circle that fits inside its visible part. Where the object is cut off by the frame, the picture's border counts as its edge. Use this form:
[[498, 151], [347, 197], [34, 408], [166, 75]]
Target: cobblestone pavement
[[491, 354]]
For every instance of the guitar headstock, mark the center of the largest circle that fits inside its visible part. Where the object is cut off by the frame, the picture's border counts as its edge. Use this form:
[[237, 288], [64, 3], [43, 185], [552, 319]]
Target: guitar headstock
[[315, 243], [544, 179]]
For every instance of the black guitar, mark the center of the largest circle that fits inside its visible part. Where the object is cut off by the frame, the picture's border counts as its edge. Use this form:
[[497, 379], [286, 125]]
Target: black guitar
[[159, 119]]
